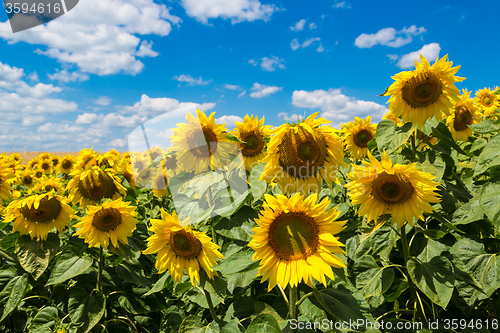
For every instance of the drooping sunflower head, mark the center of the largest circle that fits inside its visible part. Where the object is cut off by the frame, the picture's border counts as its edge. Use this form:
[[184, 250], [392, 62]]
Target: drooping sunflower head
[[66, 164], [26, 178], [159, 183], [180, 248], [464, 113], [295, 240], [33, 163], [357, 134], [487, 101], [5, 175], [124, 168], [418, 95], [300, 156], [38, 214], [93, 185], [51, 184], [201, 143], [383, 188], [253, 132], [112, 222]]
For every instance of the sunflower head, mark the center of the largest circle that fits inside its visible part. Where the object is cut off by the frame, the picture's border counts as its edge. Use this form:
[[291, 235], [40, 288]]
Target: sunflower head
[[487, 101], [180, 248], [464, 113], [66, 164], [300, 156], [383, 188], [295, 240], [46, 165], [357, 134], [392, 117], [5, 175], [418, 95]]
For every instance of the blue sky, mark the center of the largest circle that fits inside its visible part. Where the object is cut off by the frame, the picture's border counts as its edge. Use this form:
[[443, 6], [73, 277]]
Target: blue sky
[[90, 77]]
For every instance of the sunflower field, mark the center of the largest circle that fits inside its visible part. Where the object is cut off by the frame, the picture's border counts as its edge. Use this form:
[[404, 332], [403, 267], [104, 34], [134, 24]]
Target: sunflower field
[[381, 227]]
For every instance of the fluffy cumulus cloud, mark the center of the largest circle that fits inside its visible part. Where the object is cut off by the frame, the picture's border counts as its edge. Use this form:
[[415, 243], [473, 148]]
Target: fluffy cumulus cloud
[[151, 107], [429, 51], [389, 37], [66, 76], [235, 10], [269, 64], [336, 106], [295, 45], [191, 81], [299, 26], [230, 121], [261, 90], [100, 37]]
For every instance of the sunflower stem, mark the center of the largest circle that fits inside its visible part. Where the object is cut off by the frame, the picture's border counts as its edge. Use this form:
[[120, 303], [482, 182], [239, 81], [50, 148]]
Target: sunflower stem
[[99, 271], [304, 298], [413, 291], [210, 305], [293, 305], [283, 294], [413, 143]]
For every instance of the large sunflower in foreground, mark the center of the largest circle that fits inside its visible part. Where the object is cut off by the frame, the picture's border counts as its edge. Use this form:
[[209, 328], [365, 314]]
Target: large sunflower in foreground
[[383, 188], [90, 186], [38, 214], [294, 240], [464, 113], [253, 132], [181, 248], [357, 134], [301, 155], [111, 222], [425, 92], [5, 188], [201, 143], [487, 101]]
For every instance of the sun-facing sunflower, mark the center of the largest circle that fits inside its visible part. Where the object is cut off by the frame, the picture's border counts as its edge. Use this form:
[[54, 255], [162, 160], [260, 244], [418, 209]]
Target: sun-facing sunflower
[[253, 132], [38, 214], [201, 143], [295, 241], [301, 155], [487, 101], [93, 185], [180, 248], [111, 222], [383, 188], [66, 164], [357, 134], [464, 113], [425, 92]]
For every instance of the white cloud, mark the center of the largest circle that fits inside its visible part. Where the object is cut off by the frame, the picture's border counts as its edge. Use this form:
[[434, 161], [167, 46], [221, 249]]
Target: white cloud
[[103, 101], [65, 76], [146, 50], [236, 10], [299, 26], [118, 143], [261, 90], [241, 94], [295, 45], [429, 51], [229, 121], [312, 26], [335, 105], [98, 36], [191, 81], [33, 77], [269, 64], [232, 86], [148, 106], [87, 118], [340, 4], [389, 37], [320, 48]]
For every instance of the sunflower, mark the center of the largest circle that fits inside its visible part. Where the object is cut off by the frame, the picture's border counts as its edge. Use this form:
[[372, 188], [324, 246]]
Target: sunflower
[[113, 221], [38, 214], [357, 135], [487, 101], [392, 117], [160, 182], [5, 188], [33, 163], [49, 185], [90, 186], [180, 248], [295, 240], [124, 168], [38, 173], [420, 94], [464, 114], [254, 133], [66, 164], [87, 158], [26, 178], [201, 143], [301, 155], [383, 188], [46, 165]]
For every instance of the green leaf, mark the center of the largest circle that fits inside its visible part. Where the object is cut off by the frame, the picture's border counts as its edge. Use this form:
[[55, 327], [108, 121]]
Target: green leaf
[[257, 187], [483, 266], [434, 278], [443, 133], [45, 320], [243, 278], [35, 256], [236, 262], [86, 308], [488, 199], [264, 323], [484, 127], [159, 285], [470, 212], [264, 308], [489, 156], [431, 249], [371, 279], [390, 137], [69, 264], [13, 293], [239, 226], [477, 144], [191, 324]]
